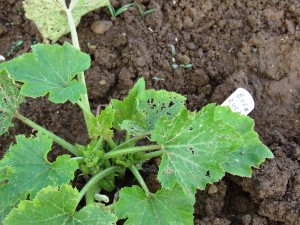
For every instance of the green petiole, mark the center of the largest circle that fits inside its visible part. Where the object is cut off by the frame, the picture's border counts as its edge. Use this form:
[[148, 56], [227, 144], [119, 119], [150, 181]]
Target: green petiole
[[71, 148], [93, 181], [125, 151], [140, 179]]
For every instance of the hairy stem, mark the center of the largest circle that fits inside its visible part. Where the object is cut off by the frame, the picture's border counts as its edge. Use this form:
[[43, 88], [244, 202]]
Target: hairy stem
[[71, 148], [96, 179], [129, 141], [151, 155], [111, 143], [125, 151], [99, 144], [139, 178], [81, 78], [89, 197]]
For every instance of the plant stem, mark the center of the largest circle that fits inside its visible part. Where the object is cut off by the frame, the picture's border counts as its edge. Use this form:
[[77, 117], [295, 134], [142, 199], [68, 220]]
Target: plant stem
[[99, 144], [129, 141], [78, 159], [81, 78], [139, 178], [71, 148], [111, 143], [125, 151], [89, 197], [151, 155], [96, 179]]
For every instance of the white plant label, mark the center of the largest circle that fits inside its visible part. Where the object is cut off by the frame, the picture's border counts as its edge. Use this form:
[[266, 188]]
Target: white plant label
[[240, 101]]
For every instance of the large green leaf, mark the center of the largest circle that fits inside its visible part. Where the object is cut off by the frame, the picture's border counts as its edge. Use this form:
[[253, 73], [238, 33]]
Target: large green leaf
[[195, 146], [50, 69], [153, 105], [252, 152], [126, 109], [57, 206], [10, 99], [51, 18], [165, 207], [26, 170]]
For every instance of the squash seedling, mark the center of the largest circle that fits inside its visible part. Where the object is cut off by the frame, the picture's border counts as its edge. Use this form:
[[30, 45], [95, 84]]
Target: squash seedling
[[197, 148]]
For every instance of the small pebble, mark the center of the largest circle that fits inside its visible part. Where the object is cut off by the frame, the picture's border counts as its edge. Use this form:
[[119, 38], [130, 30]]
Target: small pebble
[[101, 26], [212, 189]]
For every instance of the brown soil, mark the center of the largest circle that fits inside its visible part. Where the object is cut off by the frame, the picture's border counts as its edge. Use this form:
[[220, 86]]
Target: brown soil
[[234, 43]]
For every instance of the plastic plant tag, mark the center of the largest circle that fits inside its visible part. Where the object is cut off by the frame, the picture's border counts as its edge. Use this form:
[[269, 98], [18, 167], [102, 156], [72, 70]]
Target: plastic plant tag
[[240, 101]]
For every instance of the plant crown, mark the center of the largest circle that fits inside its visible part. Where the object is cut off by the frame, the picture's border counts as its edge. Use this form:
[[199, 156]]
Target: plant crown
[[196, 148]]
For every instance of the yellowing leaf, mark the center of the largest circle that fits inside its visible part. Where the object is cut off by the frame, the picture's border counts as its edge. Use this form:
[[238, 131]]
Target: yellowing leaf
[[10, 99], [50, 15]]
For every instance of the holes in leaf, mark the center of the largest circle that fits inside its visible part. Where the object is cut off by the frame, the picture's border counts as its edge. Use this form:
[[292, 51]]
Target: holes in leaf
[[171, 103], [163, 106], [191, 148], [150, 101], [191, 128], [207, 173], [153, 106]]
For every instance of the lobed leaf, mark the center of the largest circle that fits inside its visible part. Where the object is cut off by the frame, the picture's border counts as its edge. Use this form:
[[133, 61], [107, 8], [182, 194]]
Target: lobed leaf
[[195, 146], [27, 171], [252, 152], [141, 209], [153, 105], [50, 69], [10, 99], [126, 109], [54, 205], [103, 123], [50, 15]]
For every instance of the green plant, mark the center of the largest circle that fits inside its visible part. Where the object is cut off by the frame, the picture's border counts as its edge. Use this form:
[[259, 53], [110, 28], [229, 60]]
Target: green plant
[[142, 12], [174, 65], [114, 13], [197, 148]]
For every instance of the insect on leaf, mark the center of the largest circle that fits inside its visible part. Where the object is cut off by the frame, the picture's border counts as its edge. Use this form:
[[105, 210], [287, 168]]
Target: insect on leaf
[[10, 99], [53, 205], [141, 209], [27, 171], [50, 15], [195, 147], [50, 69]]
